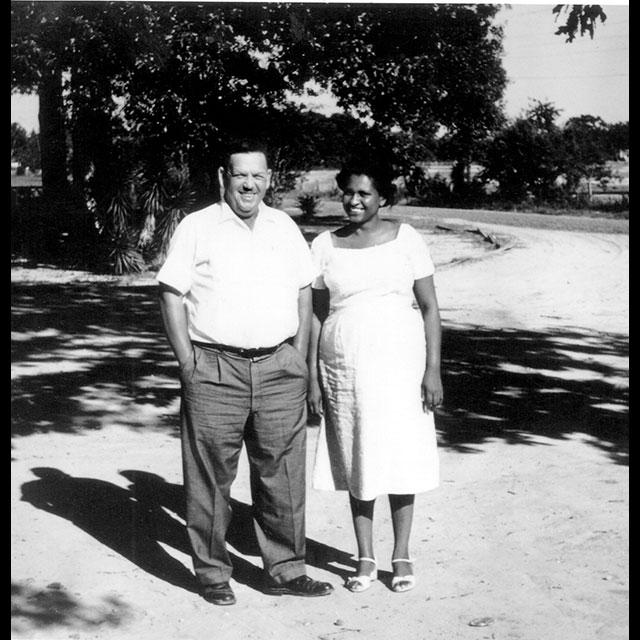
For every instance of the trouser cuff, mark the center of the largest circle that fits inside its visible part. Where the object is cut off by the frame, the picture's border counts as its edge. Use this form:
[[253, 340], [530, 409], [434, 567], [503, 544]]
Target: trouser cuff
[[214, 577], [285, 571]]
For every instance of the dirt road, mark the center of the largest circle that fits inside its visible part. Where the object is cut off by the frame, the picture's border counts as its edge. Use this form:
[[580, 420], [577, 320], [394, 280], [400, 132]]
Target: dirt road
[[525, 539]]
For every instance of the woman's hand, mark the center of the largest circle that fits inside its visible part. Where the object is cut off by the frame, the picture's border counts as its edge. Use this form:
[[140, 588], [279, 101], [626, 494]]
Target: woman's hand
[[314, 397], [432, 393]]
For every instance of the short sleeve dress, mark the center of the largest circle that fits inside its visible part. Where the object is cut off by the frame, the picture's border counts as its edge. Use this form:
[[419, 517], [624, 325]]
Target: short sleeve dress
[[376, 438]]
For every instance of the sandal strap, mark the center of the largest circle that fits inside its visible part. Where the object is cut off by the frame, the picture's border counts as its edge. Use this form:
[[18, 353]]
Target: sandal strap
[[408, 578], [409, 560], [367, 559], [362, 579], [408, 582]]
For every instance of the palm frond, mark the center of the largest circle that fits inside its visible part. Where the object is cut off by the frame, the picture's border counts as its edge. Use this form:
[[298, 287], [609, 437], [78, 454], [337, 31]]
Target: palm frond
[[124, 256], [148, 230]]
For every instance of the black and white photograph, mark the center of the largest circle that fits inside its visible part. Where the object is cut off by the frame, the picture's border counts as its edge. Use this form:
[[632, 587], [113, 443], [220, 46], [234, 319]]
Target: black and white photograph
[[319, 320]]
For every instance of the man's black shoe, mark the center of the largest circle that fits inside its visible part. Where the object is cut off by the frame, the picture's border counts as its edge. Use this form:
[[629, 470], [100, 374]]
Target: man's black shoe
[[220, 593], [300, 586]]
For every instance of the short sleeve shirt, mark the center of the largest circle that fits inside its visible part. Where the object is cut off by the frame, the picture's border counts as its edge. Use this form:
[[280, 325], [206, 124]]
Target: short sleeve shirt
[[240, 285]]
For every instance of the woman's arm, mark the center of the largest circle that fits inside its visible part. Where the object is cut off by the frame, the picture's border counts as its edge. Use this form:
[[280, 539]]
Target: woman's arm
[[320, 300], [301, 339], [425, 293]]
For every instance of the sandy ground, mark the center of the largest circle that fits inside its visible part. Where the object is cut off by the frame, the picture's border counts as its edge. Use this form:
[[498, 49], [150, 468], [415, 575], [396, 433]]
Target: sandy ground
[[525, 539]]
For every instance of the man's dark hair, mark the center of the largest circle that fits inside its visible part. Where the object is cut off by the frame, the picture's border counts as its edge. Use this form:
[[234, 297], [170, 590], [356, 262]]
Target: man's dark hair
[[243, 145]]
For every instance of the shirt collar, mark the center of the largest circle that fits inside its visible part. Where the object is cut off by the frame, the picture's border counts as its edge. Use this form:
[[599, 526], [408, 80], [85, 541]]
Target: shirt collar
[[265, 214]]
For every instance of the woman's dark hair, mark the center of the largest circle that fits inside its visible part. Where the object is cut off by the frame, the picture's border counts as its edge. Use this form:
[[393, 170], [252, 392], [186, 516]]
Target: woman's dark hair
[[380, 174]]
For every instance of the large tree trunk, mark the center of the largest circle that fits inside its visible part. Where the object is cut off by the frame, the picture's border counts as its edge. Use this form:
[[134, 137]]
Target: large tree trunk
[[459, 175], [69, 233], [53, 147]]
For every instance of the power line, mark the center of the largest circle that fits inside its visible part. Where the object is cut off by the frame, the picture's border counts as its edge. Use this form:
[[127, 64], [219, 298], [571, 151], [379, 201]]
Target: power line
[[556, 18], [606, 75], [553, 54], [536, 39]]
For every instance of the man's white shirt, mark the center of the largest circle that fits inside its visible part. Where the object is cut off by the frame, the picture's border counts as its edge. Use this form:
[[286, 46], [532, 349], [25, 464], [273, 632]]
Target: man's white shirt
[[240, 285]]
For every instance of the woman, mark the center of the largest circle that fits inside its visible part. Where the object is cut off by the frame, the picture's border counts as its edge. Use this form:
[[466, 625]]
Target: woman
[[374, 360]]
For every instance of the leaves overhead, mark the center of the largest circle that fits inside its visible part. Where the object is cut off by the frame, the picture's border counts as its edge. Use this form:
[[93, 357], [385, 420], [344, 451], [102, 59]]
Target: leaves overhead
[[186, 73], [580, 18], [149, 86], [414, 67]]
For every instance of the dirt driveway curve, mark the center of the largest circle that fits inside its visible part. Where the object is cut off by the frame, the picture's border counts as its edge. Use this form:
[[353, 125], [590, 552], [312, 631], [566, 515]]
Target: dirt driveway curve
[[525, 539]]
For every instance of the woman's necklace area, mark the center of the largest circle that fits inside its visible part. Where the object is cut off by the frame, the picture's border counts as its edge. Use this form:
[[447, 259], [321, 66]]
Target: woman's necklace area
[[365, 239]]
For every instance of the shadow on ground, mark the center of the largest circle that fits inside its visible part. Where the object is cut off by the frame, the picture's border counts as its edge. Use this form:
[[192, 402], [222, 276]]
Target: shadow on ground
[[91, 355], [42, 608], [136, 522], [88, 355], [515, 384], [113, 516]]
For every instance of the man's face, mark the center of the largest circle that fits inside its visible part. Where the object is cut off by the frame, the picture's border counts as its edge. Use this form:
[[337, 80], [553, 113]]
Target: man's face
[[245, 181]]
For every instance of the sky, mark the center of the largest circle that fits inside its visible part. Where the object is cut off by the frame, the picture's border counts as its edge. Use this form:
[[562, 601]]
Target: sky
[[582, 77], [587, 76]]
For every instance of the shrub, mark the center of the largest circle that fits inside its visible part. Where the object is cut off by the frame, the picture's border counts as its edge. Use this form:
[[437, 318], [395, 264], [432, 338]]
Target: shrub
[[310, 204], [423, 190], [125, 256]]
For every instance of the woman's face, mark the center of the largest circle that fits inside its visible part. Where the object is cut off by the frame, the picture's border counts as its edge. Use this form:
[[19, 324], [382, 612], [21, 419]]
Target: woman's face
[[361, 199]]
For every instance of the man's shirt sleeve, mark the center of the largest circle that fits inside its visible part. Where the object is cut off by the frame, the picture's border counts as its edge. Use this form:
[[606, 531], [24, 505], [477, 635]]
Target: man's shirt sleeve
[[177, 270]]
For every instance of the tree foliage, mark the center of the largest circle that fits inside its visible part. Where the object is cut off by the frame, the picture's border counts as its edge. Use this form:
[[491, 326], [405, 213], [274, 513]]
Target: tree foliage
[[523, 157], [579, 18], [585, 144], [534, 156], [412, 71], [132, 93], [137, 91], [617, 140], [25, 149]]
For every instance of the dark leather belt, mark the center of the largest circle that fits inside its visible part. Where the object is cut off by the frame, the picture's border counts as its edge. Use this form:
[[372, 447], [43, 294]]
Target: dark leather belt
[[241, 351]]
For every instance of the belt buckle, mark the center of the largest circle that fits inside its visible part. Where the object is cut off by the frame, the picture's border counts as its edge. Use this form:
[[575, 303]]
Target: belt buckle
[[252, 352], [256, 352]]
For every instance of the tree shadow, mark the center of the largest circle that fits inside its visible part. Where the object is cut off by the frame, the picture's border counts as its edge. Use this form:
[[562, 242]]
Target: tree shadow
[[515, 384], [136, 521], [89, 355], [41, 608]]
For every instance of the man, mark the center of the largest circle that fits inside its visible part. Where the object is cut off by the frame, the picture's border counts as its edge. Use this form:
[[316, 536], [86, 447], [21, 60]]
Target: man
[[236, 306]]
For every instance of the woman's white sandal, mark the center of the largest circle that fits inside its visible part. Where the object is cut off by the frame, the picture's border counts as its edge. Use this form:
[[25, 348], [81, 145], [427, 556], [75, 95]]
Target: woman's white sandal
[[362, 583], [399, 584]]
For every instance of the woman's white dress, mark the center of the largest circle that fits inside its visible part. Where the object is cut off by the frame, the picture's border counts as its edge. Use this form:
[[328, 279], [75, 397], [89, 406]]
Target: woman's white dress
[[375, 438]]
